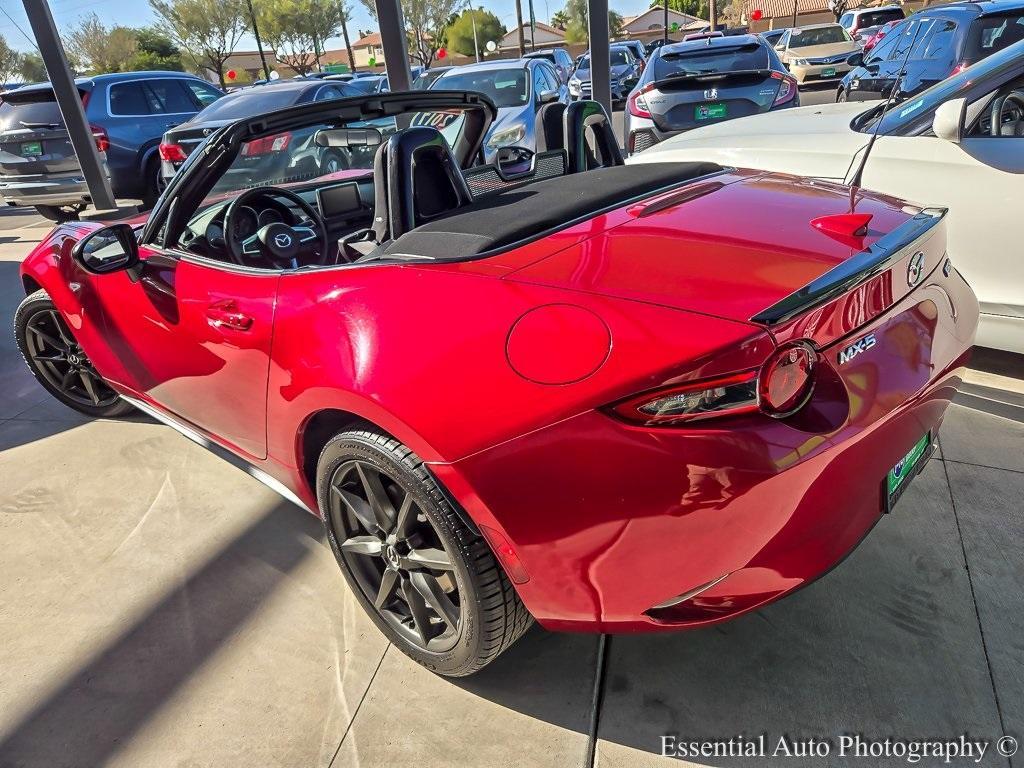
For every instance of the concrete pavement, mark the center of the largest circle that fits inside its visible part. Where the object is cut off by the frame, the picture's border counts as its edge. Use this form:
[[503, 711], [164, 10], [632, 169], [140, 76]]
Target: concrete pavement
[[159, 607]]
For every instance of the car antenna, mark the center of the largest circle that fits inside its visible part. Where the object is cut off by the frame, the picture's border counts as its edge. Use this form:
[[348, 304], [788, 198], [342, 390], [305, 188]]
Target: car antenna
[[856, 180]]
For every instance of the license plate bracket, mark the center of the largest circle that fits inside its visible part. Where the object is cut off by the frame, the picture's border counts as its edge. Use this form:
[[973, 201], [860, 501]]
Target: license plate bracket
[[899, 477], [31, 148], [710, 112]]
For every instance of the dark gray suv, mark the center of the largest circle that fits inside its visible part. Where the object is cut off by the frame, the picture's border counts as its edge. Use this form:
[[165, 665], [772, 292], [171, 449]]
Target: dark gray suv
[[128, 113]]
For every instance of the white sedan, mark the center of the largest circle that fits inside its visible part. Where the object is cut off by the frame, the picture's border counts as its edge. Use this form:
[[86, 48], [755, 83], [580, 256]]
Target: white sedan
[[959, 144]]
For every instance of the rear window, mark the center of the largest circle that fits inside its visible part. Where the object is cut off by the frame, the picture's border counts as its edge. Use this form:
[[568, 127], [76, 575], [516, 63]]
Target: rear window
[[617, 57], [39, 110], [705, 60], [993, 33], [802, 38], [251, 101], [877, 18]]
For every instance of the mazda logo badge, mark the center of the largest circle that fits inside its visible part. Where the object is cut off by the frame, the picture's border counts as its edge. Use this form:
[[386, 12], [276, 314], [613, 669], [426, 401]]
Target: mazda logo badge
[[915, 269], [282, 240]]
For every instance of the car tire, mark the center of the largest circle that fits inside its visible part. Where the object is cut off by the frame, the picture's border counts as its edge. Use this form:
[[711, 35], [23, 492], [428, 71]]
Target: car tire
[[484, 614], [153, 181], [58, 363], [60, 213], [841, 96]]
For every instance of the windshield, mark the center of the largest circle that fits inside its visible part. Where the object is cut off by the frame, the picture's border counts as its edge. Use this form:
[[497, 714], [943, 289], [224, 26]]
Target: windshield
[[506, 87], [250, 102], [364, 85], [993, 33], [803, 38], [914, 115], [703, 60], [616, 57]]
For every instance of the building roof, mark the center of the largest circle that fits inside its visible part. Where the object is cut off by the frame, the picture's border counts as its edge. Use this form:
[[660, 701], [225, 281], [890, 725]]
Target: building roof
[[365, 42], [773, 9], [674, 15]]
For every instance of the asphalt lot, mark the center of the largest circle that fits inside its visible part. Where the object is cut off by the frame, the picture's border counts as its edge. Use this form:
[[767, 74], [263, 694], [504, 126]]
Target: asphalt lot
[[159, 607]]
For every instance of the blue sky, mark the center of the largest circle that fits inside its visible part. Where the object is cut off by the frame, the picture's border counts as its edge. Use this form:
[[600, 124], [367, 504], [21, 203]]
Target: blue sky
[[137, 13]]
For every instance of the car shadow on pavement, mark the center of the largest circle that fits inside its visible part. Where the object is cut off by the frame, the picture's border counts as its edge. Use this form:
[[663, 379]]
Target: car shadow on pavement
[[97, 710]]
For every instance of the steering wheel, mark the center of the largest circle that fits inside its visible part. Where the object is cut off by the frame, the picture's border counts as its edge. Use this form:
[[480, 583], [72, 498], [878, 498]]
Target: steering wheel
[[277, 242], [995, 127]]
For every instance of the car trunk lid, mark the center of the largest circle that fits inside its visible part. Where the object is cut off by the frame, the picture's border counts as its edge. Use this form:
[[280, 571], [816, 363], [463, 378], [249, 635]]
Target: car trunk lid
[[33, 139], [688, 101], [731, 250]]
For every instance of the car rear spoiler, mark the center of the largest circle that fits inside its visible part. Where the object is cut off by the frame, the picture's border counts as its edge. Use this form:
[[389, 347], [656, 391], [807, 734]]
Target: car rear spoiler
[[873, 260]]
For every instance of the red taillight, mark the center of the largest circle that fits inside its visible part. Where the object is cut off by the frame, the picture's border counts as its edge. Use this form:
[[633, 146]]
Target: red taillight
[[636, 105], [787, 88], [172, 153], [727, 395], [99, 135], [787, 379], [958, 68], [277, 143]]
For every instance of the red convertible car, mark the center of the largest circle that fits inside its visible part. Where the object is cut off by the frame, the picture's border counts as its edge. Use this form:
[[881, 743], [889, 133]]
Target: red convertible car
[[608, 397]]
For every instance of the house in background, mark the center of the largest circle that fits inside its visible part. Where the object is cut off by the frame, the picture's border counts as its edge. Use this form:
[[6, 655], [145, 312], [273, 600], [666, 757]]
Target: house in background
[[653, 20], [368, 47], [546, 37]]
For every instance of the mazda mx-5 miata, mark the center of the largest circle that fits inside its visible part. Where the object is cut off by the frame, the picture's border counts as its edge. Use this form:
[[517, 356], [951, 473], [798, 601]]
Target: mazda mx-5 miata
[[609, 398]]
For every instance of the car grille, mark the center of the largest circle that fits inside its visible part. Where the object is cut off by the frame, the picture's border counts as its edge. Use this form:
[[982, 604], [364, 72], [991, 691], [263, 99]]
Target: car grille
[[830, 59], [641, 140]]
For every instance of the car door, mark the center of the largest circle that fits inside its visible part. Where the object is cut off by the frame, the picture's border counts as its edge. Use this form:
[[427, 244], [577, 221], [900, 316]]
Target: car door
[[869, 80], [192, 336]]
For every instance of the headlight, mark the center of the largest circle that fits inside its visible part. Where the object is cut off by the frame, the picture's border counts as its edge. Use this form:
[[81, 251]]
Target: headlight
[[507, 136], [800, 62], [574, 84]]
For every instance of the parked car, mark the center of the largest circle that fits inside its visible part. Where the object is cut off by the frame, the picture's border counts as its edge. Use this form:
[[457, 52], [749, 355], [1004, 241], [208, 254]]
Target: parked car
[[637, 47], [625, 72], [772, 36], [424, 79], [676, 400], [878, 34], [369, 84], [179, 142], [856, 20], [935, 149], [559, 58], [688, 85], [128, 113], [818, 53], [864, 34], [656, 44], [941, 41], [704, 35], [519, 88]]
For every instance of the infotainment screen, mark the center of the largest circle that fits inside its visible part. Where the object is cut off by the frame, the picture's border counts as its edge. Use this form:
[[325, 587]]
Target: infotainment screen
[[339, 200]]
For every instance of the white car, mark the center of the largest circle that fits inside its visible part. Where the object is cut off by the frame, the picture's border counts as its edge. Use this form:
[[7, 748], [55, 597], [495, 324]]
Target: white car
[[940, 148]]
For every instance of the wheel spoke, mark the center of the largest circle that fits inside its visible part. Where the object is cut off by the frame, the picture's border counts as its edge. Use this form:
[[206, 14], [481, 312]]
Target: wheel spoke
[[383, 510], [47, 338], [406, 517], [90, 386], [58, 357], [357, 507], [65, 337], [387, 587], [418, 610], [362, 545], [435, 597], [436, 559], [65, 382]]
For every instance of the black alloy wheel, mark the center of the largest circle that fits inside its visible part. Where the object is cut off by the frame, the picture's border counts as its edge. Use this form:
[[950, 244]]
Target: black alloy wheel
[[396, 555], [423, 573], [58, 362]]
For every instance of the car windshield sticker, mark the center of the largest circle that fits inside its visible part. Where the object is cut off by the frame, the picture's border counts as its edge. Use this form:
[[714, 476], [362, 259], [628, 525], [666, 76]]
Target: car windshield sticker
[[912, 108]]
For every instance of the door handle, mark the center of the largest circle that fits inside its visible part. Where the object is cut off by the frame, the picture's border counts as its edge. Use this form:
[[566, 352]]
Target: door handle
[[225, 314]]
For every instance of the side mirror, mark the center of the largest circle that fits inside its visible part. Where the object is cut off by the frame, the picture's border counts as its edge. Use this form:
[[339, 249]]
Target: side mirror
[[856, 59], [546, 97], [948, 122], [107, 250]]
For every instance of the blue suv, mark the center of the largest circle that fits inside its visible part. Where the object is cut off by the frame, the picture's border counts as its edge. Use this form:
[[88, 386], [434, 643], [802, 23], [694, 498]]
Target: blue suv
[[128, 113]]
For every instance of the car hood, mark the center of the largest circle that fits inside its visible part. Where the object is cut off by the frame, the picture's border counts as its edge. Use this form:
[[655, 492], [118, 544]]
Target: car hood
[[620, 70], [811, 141], [817, 51], [744, 244]]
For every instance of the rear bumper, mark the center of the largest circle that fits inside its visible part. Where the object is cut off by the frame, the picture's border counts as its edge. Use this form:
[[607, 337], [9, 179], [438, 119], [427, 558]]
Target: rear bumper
[[44, 190], [616, 519]]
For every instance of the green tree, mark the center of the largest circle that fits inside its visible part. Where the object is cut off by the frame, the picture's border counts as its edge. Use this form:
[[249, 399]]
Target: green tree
[[577, 29], [208, 31], [97, 48], [460, 32], [10, 62], [425, 23], [297, 28], [155, 51], [698, 8], [559, 19], [32, 69]]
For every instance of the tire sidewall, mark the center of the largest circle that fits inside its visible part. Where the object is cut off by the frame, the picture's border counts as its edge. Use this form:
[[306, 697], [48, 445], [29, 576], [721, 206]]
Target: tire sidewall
[[432, 503]]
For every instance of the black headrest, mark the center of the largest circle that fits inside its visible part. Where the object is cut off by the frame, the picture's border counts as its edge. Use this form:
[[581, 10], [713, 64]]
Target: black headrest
[[416, 178], [589, 139], [550, 127]]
